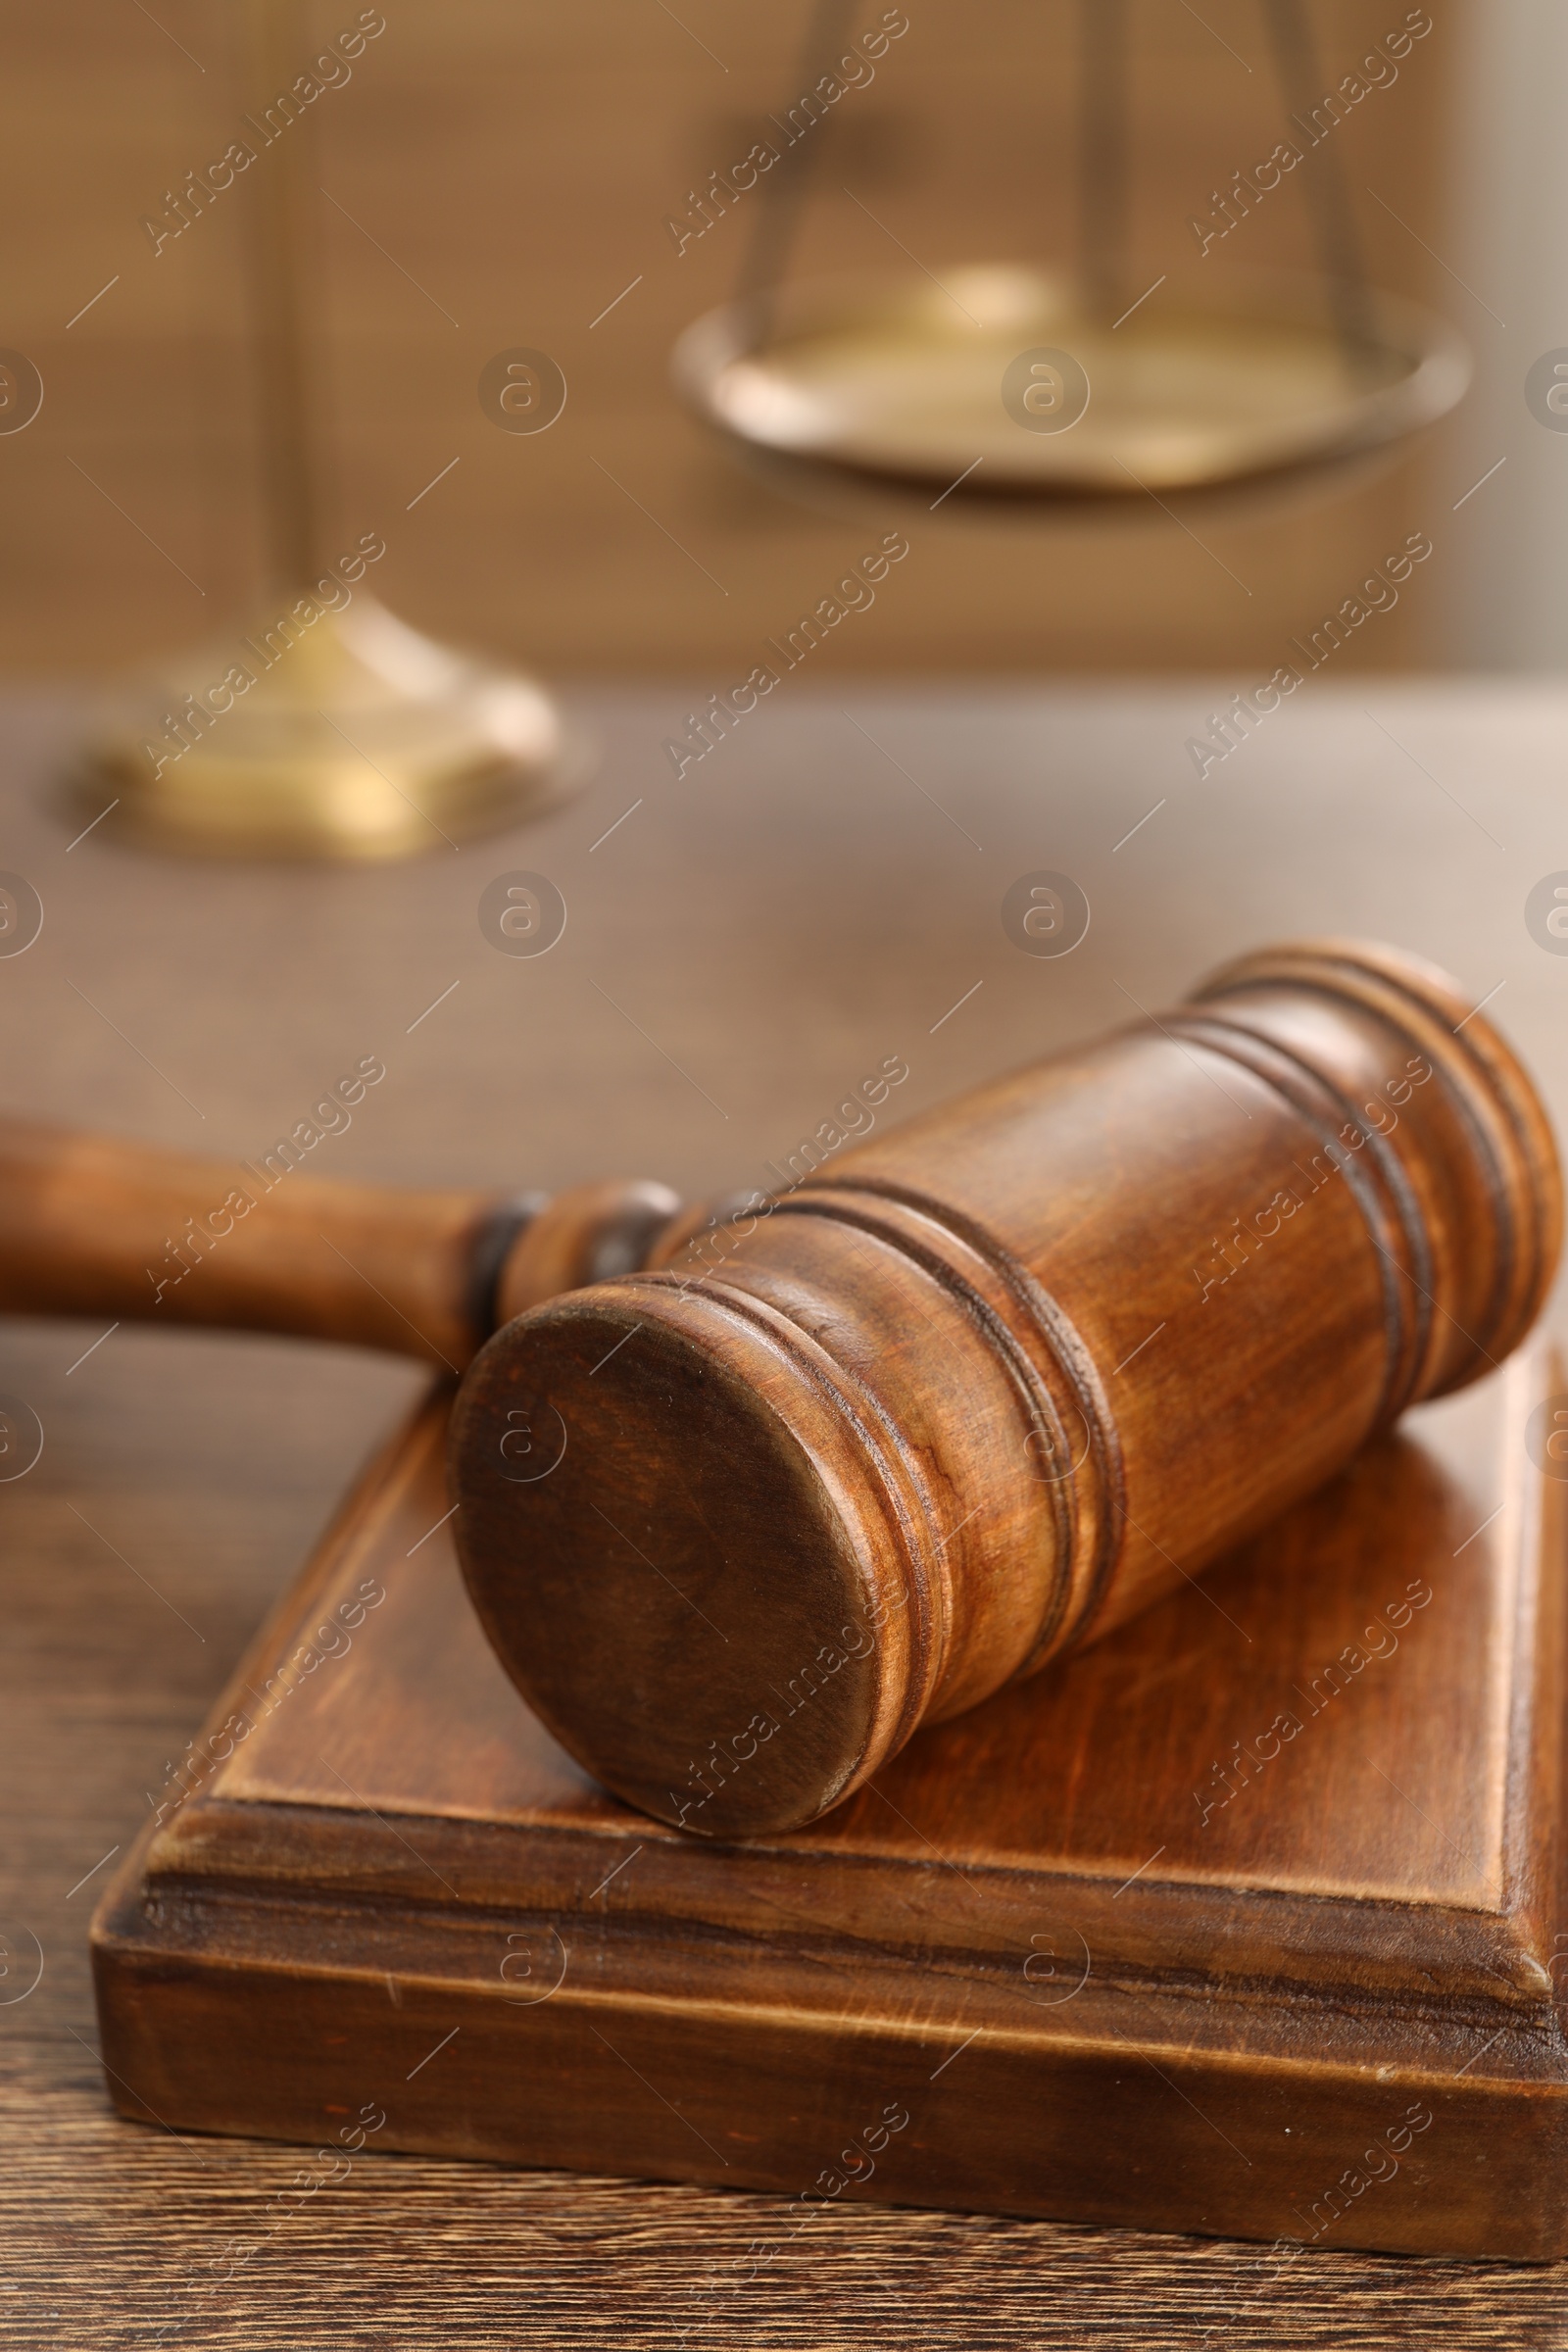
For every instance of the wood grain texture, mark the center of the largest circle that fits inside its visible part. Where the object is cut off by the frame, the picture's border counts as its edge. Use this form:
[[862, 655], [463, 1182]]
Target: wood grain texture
[[108, 2223], [379, 1891], [1038, 1965], [95, 1225], [825, 915], [970, 1394]]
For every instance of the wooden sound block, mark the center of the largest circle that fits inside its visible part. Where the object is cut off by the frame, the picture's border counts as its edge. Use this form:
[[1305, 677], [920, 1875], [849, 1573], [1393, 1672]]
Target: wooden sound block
[[1120, 1946]]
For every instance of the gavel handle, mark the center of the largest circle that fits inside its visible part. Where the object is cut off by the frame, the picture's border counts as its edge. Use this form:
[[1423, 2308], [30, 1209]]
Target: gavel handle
[[90, 1225]]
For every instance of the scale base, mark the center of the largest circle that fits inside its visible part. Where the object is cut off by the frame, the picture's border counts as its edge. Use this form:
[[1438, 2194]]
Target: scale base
[[1030, 1972], [354, 738]]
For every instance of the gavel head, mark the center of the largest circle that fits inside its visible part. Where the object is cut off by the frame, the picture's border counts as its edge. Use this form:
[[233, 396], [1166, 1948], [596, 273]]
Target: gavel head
[[983, 1386]]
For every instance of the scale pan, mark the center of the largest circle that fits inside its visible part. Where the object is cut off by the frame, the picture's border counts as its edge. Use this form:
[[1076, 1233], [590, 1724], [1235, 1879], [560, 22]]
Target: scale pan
[[1002, 377]]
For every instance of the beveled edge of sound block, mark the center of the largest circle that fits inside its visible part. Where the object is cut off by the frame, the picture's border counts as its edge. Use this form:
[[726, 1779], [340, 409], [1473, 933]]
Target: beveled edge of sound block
[[263, 1966]]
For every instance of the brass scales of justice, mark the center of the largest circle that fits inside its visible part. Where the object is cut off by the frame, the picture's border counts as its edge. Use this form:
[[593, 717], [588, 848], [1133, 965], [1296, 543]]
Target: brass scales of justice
[[369, 741], [1005, 383], [358, 736]]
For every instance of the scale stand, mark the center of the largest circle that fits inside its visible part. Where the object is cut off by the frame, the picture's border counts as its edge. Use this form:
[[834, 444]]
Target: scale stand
[[328, 728]]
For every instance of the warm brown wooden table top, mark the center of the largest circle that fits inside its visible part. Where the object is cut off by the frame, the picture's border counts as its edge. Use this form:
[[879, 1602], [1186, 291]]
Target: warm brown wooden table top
[[820, 892]]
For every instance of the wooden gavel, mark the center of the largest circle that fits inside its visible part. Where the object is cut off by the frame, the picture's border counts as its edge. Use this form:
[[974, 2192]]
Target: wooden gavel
[[793, 1478]]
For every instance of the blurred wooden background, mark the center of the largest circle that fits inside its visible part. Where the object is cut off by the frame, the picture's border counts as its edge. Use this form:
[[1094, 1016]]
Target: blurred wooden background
[[501, 169]]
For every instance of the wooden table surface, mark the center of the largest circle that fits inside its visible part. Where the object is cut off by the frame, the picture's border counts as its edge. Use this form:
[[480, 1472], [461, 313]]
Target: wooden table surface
[[821, 891]]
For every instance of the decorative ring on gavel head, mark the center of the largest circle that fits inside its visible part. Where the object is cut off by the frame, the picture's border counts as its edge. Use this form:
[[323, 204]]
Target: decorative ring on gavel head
[[983, 1386]]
